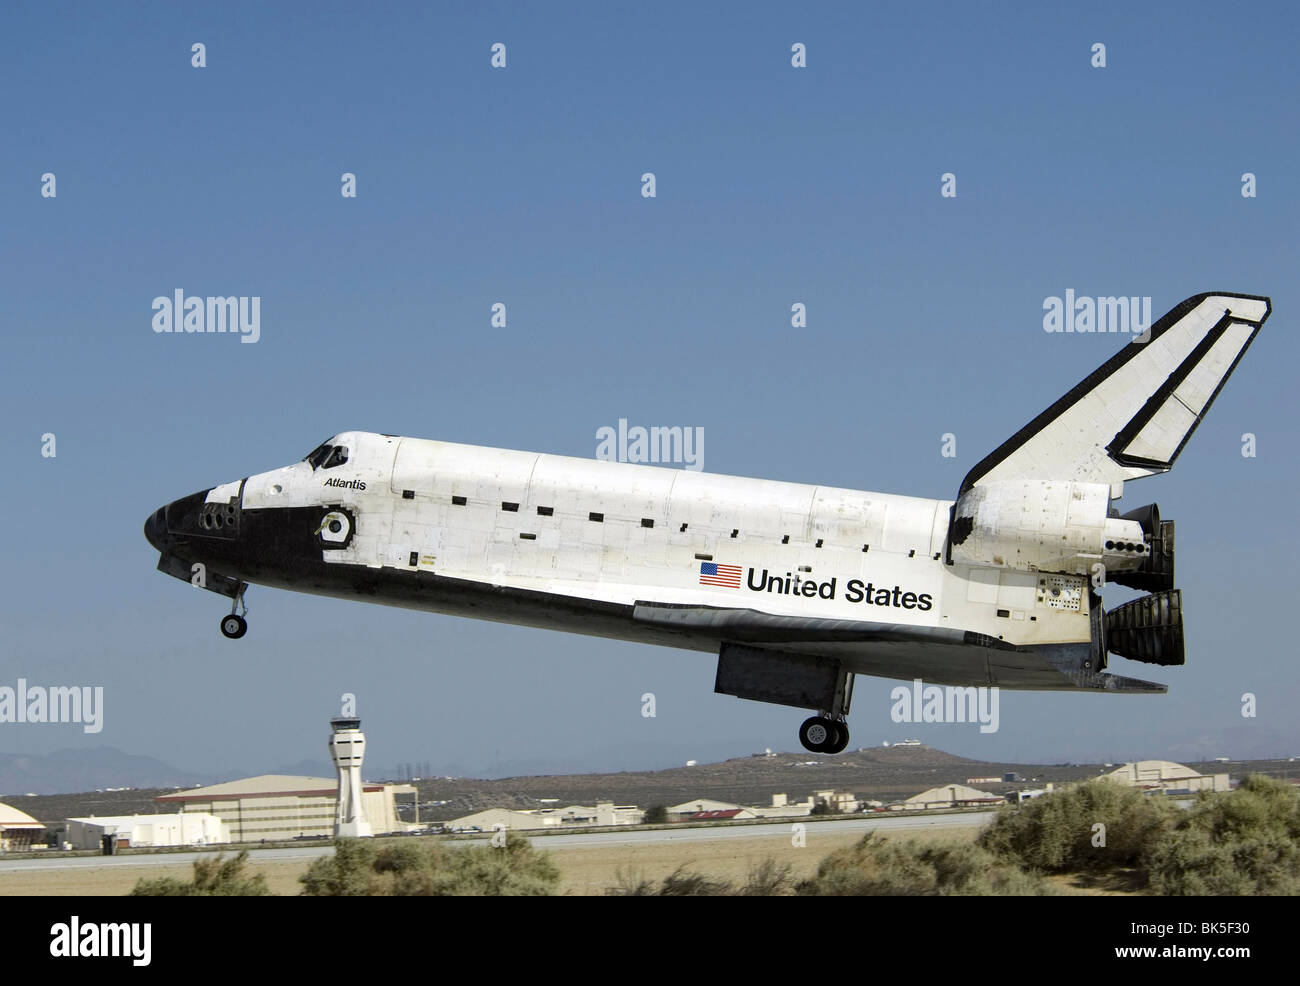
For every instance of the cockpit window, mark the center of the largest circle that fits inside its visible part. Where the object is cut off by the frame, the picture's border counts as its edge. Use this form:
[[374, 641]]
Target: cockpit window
[[318, 455], [327, 455]]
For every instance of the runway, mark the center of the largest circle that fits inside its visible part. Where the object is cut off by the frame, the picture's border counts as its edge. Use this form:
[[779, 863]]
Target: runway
[[292, 854], [569, 840], [895, 823]]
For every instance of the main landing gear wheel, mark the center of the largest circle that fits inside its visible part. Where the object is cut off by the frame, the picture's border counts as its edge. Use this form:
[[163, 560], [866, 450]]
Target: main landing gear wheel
[[842, 737], [822, 734], [817, 733]]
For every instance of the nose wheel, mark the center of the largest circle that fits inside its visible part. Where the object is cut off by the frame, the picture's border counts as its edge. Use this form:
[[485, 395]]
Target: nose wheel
[[824, 734], [234, 626]]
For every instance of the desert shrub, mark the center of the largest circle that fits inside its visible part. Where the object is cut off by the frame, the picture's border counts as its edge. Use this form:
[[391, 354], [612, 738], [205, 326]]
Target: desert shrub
[[631, 883], [1055, 833], [406, 869], [681, 882], [765, 879], [216, 877], [513, 870], [876, 866], [347, 873], [1243, 843]]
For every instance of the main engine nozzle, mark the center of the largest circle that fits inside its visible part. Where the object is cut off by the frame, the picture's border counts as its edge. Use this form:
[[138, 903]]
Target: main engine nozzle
[[1149, 629]]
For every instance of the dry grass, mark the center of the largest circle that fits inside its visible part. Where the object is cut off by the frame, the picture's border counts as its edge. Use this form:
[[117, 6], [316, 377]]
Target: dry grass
[[115, 881], [583, 870]]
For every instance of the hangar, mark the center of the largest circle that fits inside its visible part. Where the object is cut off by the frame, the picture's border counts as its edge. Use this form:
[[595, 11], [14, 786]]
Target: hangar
[[1167, 777], [18, 830], [948, 796], [781, 807], [604, 814], [273, 807], [490, 818]]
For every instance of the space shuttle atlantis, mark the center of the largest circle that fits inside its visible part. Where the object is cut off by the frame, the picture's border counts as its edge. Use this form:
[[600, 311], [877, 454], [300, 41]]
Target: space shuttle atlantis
[[794, 588]]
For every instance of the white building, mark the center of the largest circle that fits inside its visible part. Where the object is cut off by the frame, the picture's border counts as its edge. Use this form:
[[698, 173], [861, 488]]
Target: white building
[[843, 802], [18, 830], [700, 805], [490, 818], [274, 807], [1029, 794], [948, 796], [180, 829], [710, 808], [783, 807], [720, 815], [604, 813], [1166, 776]]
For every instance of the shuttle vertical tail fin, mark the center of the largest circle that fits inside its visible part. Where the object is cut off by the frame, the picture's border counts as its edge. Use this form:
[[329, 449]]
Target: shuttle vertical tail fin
[[1132, 416]]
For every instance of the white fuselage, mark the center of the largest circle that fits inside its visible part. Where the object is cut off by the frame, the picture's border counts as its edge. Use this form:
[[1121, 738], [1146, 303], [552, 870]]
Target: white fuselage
[[626, 534]]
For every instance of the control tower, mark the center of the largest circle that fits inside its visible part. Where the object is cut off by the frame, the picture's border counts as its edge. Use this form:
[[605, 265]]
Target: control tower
[[348, 749]]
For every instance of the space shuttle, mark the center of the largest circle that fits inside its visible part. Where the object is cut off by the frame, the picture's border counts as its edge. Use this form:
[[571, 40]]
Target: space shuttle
[[794, 588]]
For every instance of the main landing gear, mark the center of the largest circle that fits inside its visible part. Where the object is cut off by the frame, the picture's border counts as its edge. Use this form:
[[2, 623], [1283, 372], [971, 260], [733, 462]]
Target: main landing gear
[[797, 680], [824, 734], [235, 626]]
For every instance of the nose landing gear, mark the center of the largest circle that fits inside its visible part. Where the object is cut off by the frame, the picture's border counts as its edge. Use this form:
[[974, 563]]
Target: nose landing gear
[[234, 625], [824, 734]]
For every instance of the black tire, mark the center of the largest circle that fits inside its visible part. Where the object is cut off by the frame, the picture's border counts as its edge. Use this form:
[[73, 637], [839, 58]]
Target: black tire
[[817, 733], [234, 626], [841, 738]]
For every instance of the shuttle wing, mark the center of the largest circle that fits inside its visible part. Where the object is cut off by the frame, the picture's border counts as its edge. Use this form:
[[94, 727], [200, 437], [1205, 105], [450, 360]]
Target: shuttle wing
[[1132, 416], [967, 658]]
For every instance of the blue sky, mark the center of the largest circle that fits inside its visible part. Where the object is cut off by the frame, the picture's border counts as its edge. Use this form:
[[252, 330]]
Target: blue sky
[[521, 185]]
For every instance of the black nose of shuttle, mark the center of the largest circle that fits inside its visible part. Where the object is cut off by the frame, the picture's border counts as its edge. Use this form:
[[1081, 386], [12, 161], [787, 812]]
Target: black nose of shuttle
[[174, 526], [155, 529]]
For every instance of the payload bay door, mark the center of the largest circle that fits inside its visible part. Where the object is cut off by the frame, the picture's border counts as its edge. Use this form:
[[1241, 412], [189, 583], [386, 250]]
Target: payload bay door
[[416, 518]]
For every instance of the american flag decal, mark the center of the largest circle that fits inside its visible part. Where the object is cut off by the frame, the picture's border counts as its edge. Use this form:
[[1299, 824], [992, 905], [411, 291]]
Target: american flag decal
[[727, 576]]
